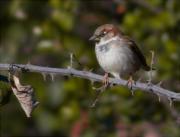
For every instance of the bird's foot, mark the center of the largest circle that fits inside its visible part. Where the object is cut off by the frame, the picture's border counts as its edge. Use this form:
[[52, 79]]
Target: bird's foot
[[105, 80], [130, 82], [105, 83]]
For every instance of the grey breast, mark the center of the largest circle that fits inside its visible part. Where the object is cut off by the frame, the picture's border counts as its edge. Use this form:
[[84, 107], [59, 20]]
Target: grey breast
[[104, 47]]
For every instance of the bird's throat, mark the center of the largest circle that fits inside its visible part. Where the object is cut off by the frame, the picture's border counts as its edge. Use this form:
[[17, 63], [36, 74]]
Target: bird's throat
[[106, 42]]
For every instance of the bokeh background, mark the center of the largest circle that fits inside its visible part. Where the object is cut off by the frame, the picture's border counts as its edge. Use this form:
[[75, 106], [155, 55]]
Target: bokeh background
[[45, 32]]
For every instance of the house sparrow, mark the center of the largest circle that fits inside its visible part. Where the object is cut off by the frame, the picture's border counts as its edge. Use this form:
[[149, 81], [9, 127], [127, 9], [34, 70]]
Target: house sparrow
[[116, 53]]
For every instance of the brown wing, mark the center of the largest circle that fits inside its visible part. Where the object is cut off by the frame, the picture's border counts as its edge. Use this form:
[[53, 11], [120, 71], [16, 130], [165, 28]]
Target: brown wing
[[138, 53]]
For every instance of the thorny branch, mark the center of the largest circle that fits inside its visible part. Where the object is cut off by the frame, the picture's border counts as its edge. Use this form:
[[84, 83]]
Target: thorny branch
[[152, 88]]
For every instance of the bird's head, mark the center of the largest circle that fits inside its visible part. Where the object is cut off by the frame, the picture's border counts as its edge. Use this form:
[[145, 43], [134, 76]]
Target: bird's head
[[105, 32]]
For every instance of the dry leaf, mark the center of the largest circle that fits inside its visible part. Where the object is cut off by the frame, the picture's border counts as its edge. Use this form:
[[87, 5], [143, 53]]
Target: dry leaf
[[24, 94]]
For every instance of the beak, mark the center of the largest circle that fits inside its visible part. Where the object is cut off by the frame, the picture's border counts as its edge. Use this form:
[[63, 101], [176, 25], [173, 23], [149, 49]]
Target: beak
[[94, 38]]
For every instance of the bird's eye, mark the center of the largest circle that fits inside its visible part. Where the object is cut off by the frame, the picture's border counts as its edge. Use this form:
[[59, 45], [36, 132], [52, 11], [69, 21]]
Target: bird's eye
[[104, 32]]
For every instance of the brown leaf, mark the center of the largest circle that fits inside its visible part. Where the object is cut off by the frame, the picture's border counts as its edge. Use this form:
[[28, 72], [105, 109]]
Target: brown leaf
[[24, 94]]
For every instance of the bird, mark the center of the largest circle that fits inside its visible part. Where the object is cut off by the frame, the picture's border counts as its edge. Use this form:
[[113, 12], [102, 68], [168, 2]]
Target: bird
[[117, 54]]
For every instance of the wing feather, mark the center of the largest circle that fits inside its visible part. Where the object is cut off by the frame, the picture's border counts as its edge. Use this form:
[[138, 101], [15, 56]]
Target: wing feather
[[133, 46]]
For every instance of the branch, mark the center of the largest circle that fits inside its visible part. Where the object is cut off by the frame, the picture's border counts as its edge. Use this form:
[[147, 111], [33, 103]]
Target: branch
[[156, 89]]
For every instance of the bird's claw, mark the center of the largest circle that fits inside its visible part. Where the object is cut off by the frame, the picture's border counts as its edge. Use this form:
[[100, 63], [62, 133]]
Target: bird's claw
[[130, 82], [106, 80]]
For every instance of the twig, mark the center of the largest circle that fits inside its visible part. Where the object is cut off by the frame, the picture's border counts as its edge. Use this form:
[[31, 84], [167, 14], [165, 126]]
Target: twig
[[94, 77], [96, 99], [98, 90], [151, 68], [72, 59]]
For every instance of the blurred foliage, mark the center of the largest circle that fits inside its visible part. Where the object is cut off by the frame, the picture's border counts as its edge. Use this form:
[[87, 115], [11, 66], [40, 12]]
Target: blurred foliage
[[45, 32]]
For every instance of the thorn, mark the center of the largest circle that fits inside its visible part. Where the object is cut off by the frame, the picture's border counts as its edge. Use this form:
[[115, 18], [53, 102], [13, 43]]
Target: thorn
[[94, 88], [52, 76], [92, 80], [151, 67], [132, 92], [170, 102], [152, 57], [159, 84], [44, 76], [71, 60], [94, 103], [76, 59], [91, 70], [36, 104], [159, 98], [26, 68], [96, 99], [99, 89], [28, 63]]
